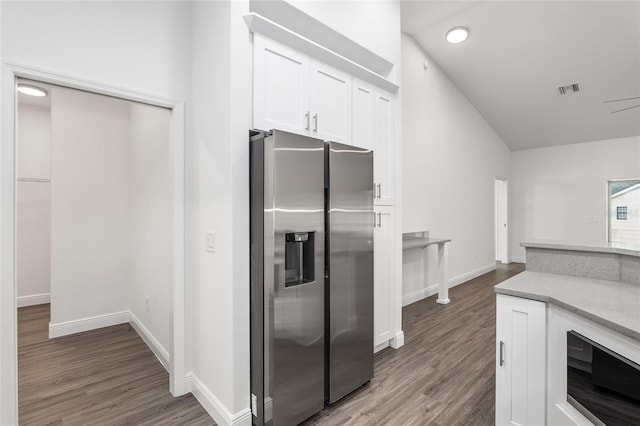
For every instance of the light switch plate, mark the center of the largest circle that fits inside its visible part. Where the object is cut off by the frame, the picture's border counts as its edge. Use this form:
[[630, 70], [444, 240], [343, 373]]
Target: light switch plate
[[211, 242]]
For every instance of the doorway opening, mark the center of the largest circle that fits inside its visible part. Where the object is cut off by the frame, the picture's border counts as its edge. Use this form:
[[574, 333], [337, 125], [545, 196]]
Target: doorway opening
[[502, 220], [92, 223]]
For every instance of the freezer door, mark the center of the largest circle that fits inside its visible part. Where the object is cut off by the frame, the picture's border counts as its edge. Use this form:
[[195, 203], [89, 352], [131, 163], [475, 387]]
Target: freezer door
[[294, 278], [349, 329]]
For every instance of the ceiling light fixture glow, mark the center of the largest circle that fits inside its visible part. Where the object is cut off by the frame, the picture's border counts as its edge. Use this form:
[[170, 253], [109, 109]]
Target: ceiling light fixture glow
[[30, 90], [457, 35]]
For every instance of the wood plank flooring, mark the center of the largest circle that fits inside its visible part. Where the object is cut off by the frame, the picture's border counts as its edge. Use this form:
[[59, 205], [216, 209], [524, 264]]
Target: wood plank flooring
[[101, 377], [444, 375]]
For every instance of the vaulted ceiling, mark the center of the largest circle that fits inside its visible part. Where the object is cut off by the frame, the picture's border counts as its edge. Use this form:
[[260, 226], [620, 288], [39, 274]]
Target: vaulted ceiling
[[519, 53]]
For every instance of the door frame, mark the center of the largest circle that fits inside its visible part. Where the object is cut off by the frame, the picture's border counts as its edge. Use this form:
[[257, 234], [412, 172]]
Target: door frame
[[8, 303], [501, 203]]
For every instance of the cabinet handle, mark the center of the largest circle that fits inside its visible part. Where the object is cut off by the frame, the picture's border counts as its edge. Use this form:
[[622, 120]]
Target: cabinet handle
[[379, 190], [374, 219], [306, 116], [379, 220], [375, 193], [501, 353], [315, 123]]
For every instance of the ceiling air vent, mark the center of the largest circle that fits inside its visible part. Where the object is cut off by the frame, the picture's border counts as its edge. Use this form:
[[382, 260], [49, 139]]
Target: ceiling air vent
[[575, 87]]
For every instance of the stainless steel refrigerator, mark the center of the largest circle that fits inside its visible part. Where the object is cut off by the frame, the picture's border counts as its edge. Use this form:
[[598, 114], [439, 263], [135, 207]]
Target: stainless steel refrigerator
[[311, 274]]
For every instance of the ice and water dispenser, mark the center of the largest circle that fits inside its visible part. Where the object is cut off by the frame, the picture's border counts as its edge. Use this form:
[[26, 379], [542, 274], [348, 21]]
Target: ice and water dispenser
[[299, 258]]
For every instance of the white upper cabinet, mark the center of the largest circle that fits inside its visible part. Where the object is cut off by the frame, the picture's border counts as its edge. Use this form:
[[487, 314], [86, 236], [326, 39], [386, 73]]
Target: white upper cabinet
[[330, 103], [363, 114], [280, 84], [384, 147], [374, 128], [295, 93]]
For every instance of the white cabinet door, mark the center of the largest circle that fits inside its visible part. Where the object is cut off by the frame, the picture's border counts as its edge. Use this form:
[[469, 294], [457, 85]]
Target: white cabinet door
[[383, 282], [520, 361], [384, 147], [363, 114], [330, 103], [280, 87]]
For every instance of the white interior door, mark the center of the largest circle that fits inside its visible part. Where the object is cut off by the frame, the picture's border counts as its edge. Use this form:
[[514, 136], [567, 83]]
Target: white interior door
[[502, 220]]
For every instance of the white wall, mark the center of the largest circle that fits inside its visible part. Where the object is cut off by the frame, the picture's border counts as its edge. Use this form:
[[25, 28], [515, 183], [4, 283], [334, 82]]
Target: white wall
[[219, 158], [139, 46], [33, 141], [451, 158], [143, 46], [111, 255], [33, 209], [90, 226], [150, 255], [560, 193]]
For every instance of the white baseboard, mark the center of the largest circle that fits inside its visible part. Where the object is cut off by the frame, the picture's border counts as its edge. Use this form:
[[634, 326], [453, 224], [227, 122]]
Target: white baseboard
[[86, 324], [420, 294], [214, 407], [471, 275], [159, 351], [518, 259], [34, 299], [423, 293]]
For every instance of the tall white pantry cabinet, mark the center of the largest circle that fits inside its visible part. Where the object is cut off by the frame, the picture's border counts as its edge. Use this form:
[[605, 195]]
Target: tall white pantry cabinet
[[300, 94]]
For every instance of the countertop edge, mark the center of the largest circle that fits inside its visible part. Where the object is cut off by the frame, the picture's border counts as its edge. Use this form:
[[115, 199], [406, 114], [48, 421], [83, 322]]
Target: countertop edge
[[549, 299], [580, 247]]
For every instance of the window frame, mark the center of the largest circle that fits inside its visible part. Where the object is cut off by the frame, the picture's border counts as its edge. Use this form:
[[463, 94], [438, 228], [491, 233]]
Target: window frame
[[608, 202]]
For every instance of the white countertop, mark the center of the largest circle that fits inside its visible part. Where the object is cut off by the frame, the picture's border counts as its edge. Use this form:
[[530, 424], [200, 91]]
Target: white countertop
[[613, 304], [618, 248], [413, 242]]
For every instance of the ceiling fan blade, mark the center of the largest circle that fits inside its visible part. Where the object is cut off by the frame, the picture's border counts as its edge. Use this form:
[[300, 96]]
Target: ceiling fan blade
[[619, 100], [624, 109]]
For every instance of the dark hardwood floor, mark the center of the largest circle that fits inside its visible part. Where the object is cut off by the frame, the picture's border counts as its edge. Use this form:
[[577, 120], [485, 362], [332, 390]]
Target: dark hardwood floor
[[102, 377], [443, 375]]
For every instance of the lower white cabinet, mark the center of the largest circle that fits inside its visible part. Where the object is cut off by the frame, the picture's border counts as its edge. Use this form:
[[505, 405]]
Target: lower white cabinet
[[520, 361], [384, 279]]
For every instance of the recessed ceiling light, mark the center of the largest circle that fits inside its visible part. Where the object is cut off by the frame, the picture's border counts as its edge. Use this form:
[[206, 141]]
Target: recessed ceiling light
[[30, 90], [457, 35]]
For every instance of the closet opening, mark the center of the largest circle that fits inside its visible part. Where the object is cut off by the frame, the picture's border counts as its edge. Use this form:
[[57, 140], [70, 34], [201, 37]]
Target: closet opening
[[94, 249]]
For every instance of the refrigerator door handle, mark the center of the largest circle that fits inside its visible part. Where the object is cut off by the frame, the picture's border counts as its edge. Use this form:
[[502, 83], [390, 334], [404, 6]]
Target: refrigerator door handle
[[306, 116]]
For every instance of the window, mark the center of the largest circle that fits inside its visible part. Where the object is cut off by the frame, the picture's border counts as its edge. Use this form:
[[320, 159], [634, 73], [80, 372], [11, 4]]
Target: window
[[624, 210], [621, 213]]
